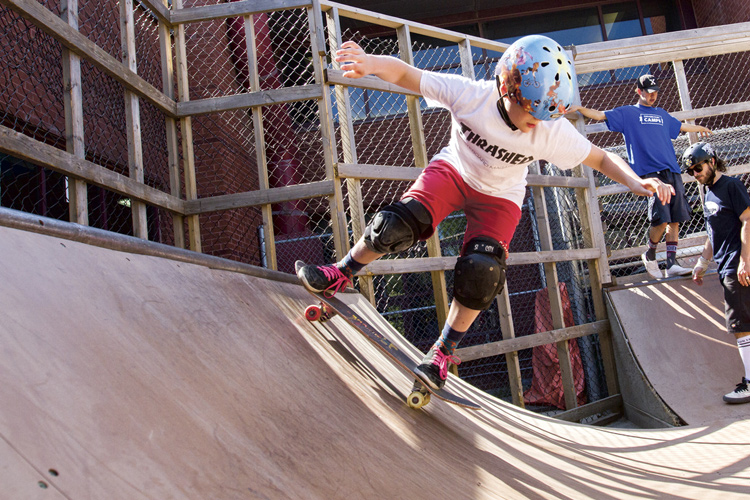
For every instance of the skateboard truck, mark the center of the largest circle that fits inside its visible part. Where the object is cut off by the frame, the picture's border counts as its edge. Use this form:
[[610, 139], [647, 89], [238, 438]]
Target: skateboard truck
[[419, 396], [320, 312]]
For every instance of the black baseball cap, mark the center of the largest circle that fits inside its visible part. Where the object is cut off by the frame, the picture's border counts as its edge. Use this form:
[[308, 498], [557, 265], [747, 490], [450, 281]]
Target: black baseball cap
[[648, 83]]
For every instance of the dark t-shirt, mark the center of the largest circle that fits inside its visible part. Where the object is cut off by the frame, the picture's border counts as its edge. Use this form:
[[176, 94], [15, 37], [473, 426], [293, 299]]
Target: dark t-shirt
[[725, 201]]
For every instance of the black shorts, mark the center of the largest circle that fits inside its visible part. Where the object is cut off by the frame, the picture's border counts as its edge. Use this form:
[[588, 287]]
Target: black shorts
[[736, 304], [678, 209]]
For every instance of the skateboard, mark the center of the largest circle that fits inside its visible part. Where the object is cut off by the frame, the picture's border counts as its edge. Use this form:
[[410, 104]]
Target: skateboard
[[420, 392]]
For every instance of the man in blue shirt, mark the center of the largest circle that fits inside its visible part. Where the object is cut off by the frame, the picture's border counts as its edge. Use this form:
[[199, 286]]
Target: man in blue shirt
[[727, 211], [648, 131]]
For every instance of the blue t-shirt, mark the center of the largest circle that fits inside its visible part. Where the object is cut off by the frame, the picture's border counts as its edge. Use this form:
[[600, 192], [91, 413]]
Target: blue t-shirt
[[725, 201], [648, 135]]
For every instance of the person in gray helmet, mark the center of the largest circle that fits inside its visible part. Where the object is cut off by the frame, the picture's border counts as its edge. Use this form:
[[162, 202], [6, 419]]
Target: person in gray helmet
[[727, 211]]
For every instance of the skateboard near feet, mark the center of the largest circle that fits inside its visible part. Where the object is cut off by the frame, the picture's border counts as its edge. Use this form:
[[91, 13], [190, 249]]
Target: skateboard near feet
[[420, 393]]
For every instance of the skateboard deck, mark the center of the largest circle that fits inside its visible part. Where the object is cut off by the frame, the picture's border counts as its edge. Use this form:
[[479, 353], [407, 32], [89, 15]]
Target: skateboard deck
[[420, 394]]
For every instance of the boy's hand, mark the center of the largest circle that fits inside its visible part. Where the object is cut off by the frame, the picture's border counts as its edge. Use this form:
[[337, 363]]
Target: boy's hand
[[651, 186], [354, 61], [572, 109]]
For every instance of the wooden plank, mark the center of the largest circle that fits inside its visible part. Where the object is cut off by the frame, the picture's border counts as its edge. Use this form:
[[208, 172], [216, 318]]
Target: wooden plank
[[418, 28], [78, 210], [186, 129], [73, 40], [528, 341], [44, 155], [399, 266], [629, 253], [257, 198], [611, 403], [173, 143], [339, 226], [652, 49], [233, 9], [269, 235], [160, 10], [133, 118], [515, 380], [384, 172], [335, 77], [248, 100]]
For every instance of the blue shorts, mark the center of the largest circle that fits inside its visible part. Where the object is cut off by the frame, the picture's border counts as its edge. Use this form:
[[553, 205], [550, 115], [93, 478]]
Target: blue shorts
[[736, 304], [678, 209]]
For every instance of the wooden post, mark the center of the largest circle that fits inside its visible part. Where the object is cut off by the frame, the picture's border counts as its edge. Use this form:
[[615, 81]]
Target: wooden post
[[133, 118], [511, 358], [269, 238], [349, 150], [173, 148], [336, 201], [186, 127], [73, 103], [599, 272], [682, 87], [553, 291], [420, 160]]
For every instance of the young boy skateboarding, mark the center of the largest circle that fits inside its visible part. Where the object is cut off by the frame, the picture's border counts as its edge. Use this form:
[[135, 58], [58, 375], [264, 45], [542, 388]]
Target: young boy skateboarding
[[498, 128]]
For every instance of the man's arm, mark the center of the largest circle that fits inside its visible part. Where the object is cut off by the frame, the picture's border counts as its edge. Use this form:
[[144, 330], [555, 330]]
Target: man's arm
[[689, 127], [702, 265], [594, 114], [743, 269], [616, 169], [356, 64]]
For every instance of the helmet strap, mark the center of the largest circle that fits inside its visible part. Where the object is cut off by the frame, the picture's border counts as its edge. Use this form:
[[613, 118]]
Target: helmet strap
[[504, 112]]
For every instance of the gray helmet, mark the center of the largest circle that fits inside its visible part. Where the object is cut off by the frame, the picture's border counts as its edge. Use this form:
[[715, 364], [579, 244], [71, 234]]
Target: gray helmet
[[697, 153]]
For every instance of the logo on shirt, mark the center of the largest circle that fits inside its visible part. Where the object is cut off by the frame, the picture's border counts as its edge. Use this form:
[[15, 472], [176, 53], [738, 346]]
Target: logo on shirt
[[710, 208], [651, 120], [494, 150]]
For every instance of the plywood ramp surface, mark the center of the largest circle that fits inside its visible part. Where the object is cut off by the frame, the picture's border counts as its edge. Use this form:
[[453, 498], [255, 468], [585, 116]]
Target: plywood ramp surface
[[677, 333], [137, 377]]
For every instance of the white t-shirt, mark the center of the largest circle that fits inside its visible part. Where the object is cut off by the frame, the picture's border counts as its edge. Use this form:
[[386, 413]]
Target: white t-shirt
[[492, 158]]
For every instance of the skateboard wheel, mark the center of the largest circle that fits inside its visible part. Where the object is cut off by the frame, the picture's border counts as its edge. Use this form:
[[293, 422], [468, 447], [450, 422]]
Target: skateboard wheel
[[418, 399], [313, 313]]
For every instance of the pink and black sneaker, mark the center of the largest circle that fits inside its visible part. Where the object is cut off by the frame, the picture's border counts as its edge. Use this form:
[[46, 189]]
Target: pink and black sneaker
[[434, 367], [327, 280]]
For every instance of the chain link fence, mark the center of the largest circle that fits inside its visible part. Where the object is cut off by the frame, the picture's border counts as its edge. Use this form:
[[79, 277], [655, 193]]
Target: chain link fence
[[228, 146]]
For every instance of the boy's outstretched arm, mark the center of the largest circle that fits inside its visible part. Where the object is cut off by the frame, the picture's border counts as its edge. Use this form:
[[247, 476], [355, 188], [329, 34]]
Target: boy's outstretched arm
[[356, 64], [593, 114], [616, 169]]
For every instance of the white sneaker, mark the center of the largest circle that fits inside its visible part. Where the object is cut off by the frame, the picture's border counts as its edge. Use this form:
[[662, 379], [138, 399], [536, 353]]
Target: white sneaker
[[740, 395], [652, 266], [677, 270]]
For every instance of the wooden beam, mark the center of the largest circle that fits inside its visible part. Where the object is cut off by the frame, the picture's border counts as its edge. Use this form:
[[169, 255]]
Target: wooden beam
[[529, 341], [44, 155], [234, 9], [256, 198], [160, 10], [611, 403], [248, 100], [399, 266]]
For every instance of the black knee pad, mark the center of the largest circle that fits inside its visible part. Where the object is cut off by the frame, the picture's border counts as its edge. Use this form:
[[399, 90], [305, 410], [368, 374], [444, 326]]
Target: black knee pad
[[397, 227], [480, 274]]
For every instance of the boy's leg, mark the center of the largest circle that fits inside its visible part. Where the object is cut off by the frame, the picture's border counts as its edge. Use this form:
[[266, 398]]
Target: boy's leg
[[649, 257]]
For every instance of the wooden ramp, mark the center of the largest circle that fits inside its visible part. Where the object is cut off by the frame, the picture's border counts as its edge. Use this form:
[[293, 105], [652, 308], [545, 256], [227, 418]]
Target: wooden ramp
[[676, 334], [126, 376]]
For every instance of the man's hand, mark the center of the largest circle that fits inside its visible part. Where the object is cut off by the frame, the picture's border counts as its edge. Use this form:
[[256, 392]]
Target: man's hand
[[743, 272], [699, 270], [652, 186], [703, 131]]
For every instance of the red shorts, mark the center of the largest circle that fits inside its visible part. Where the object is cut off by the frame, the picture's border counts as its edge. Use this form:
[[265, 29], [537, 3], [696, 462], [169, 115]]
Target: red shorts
[[442, 190]]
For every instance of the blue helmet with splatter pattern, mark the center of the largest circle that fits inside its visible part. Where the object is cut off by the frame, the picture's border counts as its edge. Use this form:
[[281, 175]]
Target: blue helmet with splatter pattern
[[536, 73]]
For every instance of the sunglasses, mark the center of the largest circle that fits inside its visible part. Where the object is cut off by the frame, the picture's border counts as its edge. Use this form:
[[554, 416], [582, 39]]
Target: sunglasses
[[695, 169]]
